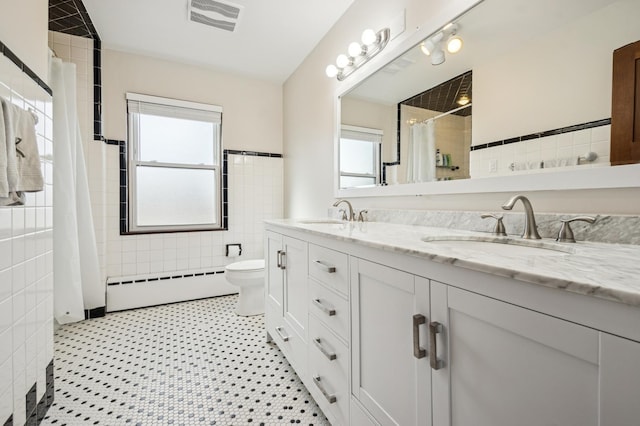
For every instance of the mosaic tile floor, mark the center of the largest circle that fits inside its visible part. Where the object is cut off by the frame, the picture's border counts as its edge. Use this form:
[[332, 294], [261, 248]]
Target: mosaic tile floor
[[192, 363]]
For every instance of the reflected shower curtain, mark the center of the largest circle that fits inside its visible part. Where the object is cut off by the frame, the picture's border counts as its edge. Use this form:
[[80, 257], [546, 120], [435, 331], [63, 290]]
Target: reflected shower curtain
[[421, 164], [75, 257]]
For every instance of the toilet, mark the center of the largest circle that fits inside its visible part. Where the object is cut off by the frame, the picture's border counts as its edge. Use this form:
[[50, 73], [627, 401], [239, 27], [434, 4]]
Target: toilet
[[248, 275]]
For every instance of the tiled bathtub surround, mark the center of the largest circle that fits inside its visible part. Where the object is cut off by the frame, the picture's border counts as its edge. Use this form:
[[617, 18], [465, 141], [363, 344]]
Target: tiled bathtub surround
[[607, 228], [496, 158], [26, 269]]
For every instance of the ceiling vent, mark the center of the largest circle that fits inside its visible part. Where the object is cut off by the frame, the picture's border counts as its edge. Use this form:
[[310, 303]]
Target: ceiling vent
[[217, 14]]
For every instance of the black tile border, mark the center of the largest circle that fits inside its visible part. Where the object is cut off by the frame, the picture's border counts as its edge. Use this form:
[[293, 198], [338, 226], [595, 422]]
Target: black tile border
[[95, 312], [37, 410], [524, 138], [164, 277], [24, 68], [253, 153]]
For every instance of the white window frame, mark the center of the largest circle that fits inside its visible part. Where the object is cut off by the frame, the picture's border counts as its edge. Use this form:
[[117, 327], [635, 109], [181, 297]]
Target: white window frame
[[368, 135], [133, 161]]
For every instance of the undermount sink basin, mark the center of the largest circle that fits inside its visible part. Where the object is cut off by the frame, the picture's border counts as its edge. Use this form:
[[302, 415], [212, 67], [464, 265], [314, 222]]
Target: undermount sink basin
[[503, 246]]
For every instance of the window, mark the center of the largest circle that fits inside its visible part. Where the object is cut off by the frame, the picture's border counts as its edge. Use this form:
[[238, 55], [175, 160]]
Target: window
[[359, 156], [174, 159]]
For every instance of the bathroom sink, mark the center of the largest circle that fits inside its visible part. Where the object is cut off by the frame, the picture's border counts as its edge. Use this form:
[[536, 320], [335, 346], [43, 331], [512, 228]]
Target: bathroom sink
[[321, 222], [502, 246]]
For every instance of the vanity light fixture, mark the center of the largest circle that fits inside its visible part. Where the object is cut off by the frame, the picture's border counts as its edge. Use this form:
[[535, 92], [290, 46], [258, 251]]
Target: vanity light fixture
[[358, 54], [432, 46]]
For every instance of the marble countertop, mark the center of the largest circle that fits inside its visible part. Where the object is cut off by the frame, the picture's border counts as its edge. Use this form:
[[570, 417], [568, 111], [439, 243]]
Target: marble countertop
[[607, 271]]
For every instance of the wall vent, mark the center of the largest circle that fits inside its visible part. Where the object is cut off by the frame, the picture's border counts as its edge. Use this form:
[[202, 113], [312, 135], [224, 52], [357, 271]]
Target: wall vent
[[215, 13]]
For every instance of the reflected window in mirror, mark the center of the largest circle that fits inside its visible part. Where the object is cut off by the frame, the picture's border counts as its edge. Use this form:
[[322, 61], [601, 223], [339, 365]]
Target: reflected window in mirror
[[359, 156]]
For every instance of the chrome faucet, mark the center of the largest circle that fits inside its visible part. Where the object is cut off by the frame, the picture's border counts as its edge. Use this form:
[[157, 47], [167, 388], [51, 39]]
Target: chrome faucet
[[352, 215], [530, 228]]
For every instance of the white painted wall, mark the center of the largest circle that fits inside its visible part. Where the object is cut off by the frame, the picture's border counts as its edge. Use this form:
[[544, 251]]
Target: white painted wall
[[309, 117], [252, 117], [23, 28]]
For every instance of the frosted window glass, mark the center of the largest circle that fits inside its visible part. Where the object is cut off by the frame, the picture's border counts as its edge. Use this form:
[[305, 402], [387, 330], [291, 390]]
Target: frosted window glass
[[354, 181], [176, 140], [167, 196], [357, 156]]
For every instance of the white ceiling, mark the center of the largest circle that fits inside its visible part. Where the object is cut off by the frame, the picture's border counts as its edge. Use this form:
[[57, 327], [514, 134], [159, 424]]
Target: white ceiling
[[272, 37]]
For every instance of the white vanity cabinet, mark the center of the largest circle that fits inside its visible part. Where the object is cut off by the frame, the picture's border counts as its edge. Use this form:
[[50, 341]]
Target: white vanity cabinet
[[286, 296], [399, 340]]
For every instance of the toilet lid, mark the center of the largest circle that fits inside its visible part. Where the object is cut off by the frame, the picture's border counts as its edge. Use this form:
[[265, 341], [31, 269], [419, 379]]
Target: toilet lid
[[246, 265]]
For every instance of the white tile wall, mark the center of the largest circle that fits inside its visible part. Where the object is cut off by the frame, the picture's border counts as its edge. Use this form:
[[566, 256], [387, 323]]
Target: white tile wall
[[26, 264], [495, 161], [255, 194]]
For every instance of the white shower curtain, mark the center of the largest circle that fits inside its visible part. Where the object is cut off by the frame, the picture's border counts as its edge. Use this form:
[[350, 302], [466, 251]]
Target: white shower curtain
[[421, 163], [77, 283]]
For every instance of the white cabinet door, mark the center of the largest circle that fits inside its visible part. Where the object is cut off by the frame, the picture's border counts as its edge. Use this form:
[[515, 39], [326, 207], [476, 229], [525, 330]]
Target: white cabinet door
[[294, 262], [619, 381], [506, 365], [274, 274], [389, 379]]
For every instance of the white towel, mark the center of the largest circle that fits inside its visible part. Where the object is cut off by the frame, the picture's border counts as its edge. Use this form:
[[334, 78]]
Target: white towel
[[4, 182], [29, 171], [8, 114]]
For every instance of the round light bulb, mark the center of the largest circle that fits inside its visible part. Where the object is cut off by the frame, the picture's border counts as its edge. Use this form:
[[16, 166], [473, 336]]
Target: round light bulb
[[464, 99], [355, 49], [369, 37], [331, 71], [454, 44], [342, 60]]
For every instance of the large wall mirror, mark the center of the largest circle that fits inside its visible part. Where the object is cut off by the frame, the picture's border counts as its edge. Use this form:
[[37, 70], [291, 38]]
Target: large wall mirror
[[524, 105]]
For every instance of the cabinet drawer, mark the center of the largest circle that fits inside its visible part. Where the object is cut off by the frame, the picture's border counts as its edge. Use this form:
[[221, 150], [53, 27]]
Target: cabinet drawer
[[329, 362], [330, 308], [289, 342], [329, 267]]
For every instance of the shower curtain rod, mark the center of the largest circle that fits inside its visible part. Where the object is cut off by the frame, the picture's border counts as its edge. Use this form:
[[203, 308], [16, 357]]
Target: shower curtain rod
[[447, 113]]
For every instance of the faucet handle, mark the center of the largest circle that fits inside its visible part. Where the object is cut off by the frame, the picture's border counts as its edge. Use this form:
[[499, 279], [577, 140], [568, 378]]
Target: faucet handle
[[361, 217], [499, 229], [565, 235], [344, 214]]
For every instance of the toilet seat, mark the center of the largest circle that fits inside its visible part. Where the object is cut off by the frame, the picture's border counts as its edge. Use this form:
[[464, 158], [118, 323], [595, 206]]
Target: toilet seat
[[246, 265]]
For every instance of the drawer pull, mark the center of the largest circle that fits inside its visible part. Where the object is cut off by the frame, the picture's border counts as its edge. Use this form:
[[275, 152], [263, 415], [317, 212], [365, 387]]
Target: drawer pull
[[328, 311], [331, 399], [283, 336], [330, 356], [434, 328], [418, 320], [279, 259], [326, 268]]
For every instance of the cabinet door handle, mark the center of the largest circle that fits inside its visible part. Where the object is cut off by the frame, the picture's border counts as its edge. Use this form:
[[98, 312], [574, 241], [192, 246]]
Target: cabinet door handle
[[326, 268], [279, 259], [328, 311], [283, 336], [330, 356], [418, 320], [282, 259], [330, 398], [434, 328]]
